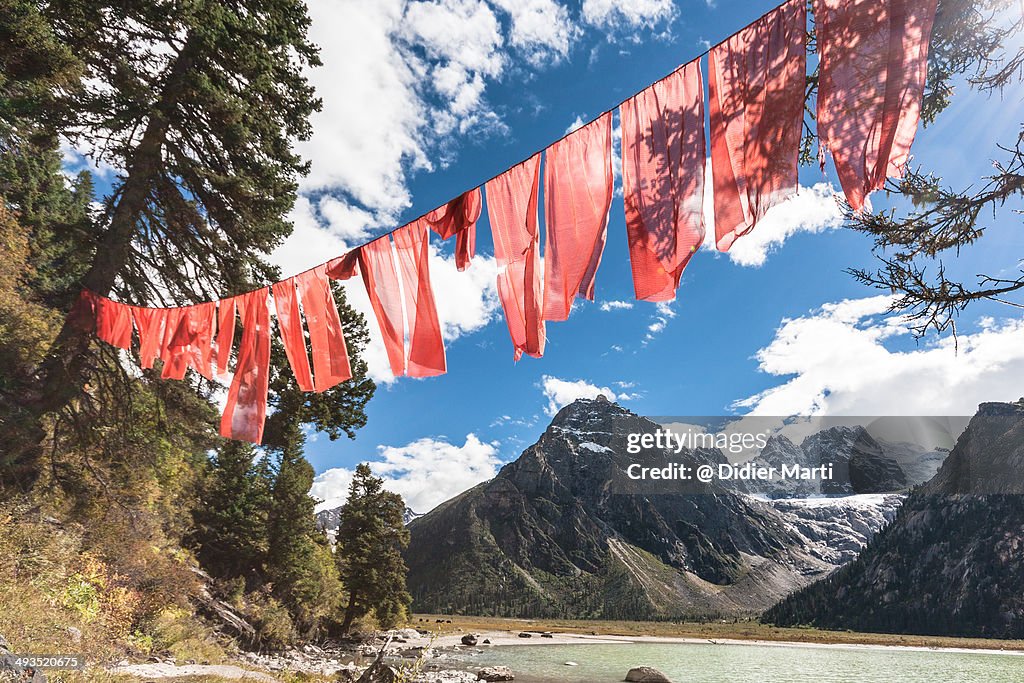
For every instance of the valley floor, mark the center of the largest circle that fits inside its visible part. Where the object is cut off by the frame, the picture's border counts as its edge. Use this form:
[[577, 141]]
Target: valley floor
[[504, 631]]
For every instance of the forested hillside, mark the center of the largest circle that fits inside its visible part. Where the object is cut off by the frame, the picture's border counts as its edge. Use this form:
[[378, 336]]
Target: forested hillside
[[122, 513]]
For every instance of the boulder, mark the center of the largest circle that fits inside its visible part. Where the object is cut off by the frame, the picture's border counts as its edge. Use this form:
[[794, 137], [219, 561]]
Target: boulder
[[379, 672], [646, 674], [469, 639], [347, 676], [495, 673], [524, 634]]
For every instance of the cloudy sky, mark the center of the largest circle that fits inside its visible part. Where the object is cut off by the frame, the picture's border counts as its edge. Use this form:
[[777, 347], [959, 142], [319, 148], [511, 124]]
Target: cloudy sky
[[425, 99]]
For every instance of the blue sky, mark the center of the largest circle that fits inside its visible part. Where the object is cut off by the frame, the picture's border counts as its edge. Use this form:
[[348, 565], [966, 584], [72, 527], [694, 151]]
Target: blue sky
[[424, 100]]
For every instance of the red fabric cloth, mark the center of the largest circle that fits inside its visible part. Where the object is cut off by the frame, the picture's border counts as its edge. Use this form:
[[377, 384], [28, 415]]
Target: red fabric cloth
[[189, 342], [577, 196], [246, 408], [663, 156], [343, 267], [512, 208], [377, 266], [114, 323], [426, 347], [874, 60], [149, 322], [171, 320], [326, 338], [458, 217], [225, 333], [756, 83], [111, 320], [289, 327]]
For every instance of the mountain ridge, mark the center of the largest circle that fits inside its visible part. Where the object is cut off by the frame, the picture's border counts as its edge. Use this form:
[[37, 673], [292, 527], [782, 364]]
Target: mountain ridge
[[950, 562], [550, 535]]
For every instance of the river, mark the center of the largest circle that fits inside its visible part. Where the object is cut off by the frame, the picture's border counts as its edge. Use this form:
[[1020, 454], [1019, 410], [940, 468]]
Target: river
[[727, 663]]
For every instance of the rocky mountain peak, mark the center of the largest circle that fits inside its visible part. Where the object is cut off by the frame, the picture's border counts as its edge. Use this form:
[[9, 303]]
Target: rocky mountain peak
[[552, 534], [989, 456], [590, 413], [950, 561]]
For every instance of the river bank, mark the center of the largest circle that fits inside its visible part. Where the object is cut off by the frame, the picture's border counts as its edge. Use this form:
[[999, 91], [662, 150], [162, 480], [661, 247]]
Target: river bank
[[506, 629], [423, 656], [446, 649]]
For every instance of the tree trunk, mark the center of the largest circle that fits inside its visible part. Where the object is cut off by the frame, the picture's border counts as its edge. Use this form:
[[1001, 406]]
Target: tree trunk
[[350, 614], [61, 375]]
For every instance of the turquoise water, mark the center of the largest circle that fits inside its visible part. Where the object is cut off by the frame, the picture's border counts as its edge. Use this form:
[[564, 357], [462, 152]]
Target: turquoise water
[[708, 663]]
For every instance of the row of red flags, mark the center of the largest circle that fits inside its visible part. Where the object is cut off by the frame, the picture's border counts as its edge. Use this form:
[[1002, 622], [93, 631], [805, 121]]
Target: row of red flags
[[873, 63]]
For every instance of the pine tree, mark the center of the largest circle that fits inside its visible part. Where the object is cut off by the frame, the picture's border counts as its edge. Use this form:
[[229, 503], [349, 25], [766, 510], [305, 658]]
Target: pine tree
[[230, 534], [196, 106], [198, 126], [298, 560], [371, 536]]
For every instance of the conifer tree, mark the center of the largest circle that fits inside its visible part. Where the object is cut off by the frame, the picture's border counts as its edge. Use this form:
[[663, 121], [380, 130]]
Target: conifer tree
[[371, 536], [230, 533], [195, 107], [299, 558]]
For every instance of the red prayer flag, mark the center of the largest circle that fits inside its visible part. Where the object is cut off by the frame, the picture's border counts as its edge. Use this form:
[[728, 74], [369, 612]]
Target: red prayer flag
[[225, 333], [755, 106], [289, 327], [113, 321], [512, 208], [326, 338], [577, 196], [246, 408], [426, 347], [458, 217], [377, 266], [343, 267], [874, 60], [150, 325], [172, 318], [663, 156], [190, 342]]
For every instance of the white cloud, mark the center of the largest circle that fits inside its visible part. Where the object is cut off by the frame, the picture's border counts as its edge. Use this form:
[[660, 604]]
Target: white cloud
[[425, 473], [370, 127], [617, 156], [839, 364], [462, 41], [561, 392], [663, 313], [542, 29], [466, 301], [74, 160], [310, 244], [665, 309], [577, 123], [631, 14], [813, 209], [616, 305]]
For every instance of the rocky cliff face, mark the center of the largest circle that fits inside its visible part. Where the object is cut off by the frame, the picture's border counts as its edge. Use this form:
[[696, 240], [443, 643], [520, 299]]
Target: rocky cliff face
[[551, 536], [952, 561], [861, 465]]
